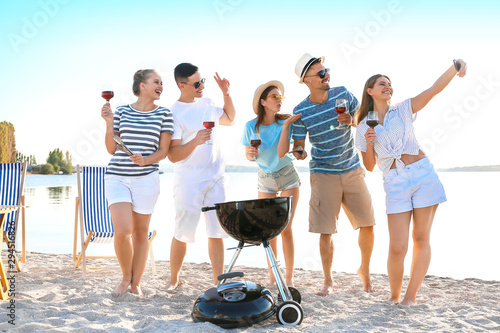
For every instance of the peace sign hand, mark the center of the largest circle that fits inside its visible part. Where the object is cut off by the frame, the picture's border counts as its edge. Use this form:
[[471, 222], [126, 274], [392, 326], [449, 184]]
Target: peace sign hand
[[223, 84]]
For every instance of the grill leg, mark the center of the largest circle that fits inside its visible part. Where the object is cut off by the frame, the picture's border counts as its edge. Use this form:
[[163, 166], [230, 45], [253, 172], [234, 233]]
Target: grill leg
[[233, 260], [280, 282]]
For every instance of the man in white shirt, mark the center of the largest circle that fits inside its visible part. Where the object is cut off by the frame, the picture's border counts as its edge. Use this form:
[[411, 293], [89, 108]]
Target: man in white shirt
[[199, 167]]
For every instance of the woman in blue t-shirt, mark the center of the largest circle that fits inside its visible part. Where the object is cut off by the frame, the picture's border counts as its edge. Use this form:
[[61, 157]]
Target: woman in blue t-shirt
[[132, 182], [276, 171]]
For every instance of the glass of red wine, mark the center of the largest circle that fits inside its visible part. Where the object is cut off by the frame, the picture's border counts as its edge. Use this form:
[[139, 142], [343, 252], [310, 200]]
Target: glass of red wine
[[341, 107], [107, 92], [255, 142], [372, 119], [208, 123]]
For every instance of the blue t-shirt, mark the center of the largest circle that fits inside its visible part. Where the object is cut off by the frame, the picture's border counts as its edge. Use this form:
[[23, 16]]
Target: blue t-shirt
[[268, 159], [332, 148]]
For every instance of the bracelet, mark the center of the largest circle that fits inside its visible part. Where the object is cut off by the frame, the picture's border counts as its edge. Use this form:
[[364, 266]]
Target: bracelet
[[371, 141]]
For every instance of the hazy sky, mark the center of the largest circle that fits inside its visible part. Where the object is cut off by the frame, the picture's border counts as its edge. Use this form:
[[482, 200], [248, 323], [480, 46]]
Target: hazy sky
[[56, 54]]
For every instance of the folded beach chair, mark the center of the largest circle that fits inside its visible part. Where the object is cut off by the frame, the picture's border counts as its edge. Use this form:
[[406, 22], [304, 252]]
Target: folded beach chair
[[95, 220], [12, 176]]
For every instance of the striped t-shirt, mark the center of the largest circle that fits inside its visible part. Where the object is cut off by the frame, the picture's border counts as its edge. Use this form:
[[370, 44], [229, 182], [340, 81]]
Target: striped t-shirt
[[332, 148], [394, 138], [140, 132]]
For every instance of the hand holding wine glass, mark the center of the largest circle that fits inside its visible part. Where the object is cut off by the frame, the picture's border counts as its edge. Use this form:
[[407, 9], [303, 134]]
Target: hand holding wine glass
[[209, 123], [255, 142], [107, 93], [341, 107], [372, 121]]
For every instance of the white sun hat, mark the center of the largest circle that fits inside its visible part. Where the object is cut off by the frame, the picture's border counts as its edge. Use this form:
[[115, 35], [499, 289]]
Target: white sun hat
[[303, 65]]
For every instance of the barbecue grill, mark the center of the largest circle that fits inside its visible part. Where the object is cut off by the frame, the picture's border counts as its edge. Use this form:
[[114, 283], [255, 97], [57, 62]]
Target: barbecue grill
[[243, 303]]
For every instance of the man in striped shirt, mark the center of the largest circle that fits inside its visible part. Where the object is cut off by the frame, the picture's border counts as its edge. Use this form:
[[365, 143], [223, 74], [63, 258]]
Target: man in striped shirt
[[337, 178]]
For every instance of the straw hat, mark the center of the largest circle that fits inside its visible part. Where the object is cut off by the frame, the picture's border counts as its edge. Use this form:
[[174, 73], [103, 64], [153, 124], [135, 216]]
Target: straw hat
[[303, 65], [260, 90]]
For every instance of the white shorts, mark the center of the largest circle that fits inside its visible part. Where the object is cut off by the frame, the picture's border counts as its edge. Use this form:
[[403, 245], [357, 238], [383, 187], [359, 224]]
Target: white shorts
[[189, 199], [418, 186], [142, 191]]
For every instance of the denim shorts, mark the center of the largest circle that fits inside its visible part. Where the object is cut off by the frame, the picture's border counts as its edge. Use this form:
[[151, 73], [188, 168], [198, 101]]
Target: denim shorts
[[142, 191], [417, 186], [284, 179]]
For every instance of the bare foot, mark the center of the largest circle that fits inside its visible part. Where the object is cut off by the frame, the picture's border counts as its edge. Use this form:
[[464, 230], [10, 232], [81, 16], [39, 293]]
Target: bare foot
[[326, 290], [271, 282], [394, 299], [408, 301], [367, 283], [136, 290], [121, 289], [290, 283], [173, 284]]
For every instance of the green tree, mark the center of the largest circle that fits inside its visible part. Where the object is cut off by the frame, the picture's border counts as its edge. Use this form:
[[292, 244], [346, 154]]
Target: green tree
[[47, 169], [7, 143], [67, 167], [60, 162]]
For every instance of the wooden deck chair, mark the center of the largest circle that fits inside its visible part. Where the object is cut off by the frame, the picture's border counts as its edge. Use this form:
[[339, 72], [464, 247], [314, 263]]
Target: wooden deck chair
[[12, 176], [92, 211]]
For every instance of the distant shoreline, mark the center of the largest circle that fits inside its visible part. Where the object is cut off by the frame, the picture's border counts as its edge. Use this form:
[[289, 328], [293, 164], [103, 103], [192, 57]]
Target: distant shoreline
[[484, 168], [242, 168]]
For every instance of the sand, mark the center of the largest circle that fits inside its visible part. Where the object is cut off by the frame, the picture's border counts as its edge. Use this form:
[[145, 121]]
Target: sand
[[52, 296]]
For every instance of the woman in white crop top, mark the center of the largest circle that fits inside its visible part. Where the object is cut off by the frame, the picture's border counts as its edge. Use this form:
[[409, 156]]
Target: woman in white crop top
[[412, 186]]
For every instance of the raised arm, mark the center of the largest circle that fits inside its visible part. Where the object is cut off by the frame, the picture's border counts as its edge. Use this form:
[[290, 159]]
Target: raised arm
[[227, 118], [107, 115], [418, 102]]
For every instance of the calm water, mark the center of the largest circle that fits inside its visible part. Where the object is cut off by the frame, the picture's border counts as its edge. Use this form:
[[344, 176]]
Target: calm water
[[464, 236]]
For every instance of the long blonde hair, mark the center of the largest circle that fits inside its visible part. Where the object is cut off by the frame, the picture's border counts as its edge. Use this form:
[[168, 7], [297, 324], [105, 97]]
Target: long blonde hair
[[367, 100]]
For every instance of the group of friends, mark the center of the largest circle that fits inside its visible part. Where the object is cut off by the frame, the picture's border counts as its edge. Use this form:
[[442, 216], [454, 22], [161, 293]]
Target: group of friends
[[152, 132]]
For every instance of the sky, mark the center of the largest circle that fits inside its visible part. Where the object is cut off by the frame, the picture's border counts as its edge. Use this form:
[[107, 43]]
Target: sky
[[56, 54]]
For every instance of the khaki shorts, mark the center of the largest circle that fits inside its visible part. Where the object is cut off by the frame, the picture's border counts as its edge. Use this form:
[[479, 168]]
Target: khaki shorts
[[330, 191]]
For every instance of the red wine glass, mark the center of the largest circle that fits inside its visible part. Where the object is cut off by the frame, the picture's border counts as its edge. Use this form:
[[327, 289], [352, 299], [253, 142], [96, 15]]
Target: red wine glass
[[255, 142], [208, 123], [341, 107], [372, 119], [107, 92]]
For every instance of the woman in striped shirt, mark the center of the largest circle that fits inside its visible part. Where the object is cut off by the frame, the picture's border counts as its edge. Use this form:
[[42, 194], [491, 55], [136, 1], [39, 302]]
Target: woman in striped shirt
[[412, 186], [132, 182]]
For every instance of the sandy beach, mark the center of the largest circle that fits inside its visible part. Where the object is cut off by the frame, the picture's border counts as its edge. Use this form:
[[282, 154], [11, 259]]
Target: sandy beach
[[52, 296]]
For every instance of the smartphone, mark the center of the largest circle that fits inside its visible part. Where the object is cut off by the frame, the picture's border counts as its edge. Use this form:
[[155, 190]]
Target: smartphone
[[457, 65]]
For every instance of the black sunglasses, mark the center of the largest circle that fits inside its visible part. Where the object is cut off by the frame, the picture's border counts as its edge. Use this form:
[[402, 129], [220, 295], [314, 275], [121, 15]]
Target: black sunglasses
[[321, 73], [196, 84]]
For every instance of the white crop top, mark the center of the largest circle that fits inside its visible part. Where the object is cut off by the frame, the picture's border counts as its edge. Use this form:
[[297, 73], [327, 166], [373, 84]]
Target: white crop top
[[394, 138]]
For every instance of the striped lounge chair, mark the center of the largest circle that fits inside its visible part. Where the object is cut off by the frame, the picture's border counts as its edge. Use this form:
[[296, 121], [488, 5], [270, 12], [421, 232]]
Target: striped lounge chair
[[12, 176], [92, 211]]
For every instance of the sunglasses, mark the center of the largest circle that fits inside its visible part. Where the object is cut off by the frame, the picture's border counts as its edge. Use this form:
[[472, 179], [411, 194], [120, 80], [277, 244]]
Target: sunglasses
[[276, 97], [321, 73], [196, 85]]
